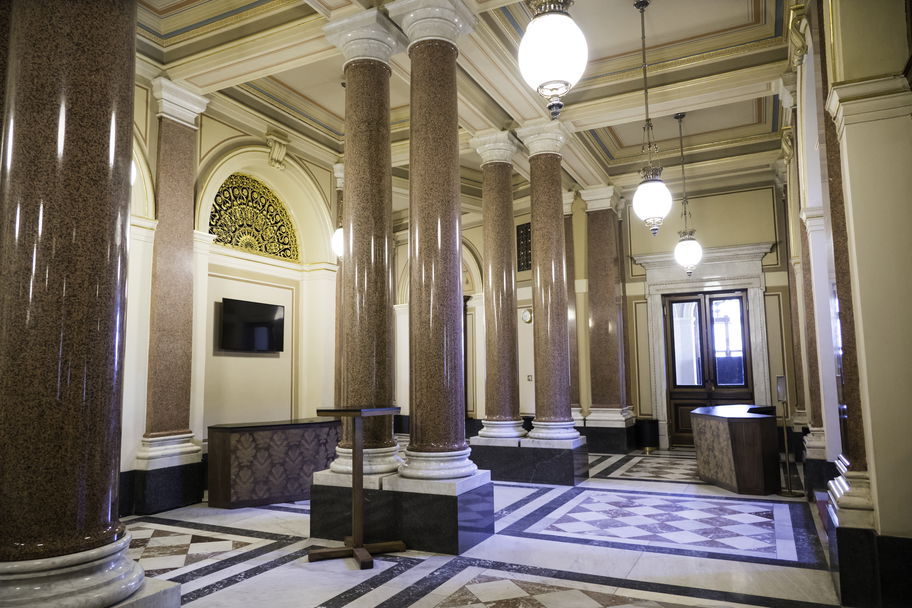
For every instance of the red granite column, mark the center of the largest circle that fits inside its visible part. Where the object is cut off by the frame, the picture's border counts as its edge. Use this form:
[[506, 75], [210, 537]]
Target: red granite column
[[553, 419], [438, 447], [64, 211], [367, 40], [502, 418], [339, 175]]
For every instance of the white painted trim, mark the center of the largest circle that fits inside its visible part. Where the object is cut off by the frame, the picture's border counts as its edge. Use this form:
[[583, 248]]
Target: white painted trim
[[177, 103], [722, 269]]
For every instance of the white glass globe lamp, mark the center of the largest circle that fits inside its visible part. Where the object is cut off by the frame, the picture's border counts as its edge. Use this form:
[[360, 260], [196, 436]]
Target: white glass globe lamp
[[688, 252], [652, 199], [338, 242], [553, 52]]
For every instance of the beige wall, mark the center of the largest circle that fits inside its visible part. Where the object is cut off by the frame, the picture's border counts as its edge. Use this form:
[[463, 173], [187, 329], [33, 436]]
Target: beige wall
[[248, 387]]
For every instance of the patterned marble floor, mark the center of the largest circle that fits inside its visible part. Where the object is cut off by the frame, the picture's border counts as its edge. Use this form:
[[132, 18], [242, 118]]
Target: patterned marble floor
[[657, 542]]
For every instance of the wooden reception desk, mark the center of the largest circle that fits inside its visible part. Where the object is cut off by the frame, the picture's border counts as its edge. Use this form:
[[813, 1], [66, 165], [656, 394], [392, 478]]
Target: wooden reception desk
[[736, 447], [267, 462]]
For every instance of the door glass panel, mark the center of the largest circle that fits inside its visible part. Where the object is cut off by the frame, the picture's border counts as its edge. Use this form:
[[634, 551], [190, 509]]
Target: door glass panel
[[728, 341], [686, 331]]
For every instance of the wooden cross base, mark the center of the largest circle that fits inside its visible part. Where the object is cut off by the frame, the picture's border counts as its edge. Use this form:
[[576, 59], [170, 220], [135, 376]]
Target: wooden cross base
[[354, 544], [363, 555]]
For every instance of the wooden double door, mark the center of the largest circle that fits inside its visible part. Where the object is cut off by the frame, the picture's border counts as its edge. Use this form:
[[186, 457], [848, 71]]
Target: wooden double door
[[707, 355]]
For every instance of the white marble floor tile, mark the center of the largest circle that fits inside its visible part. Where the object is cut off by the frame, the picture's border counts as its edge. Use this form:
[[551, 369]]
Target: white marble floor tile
[[801, 584]]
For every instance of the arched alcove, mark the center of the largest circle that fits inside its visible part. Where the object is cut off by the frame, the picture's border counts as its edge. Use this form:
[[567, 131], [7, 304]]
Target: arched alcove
[[293, 185]]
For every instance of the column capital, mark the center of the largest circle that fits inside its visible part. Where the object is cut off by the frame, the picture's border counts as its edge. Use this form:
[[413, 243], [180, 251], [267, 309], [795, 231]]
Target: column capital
[[495, 147], [367, 35], [600, 198], [339, 175], [814, 219], [177, 103], [869, 100], [568, 199], [432, 19], [544, 137]]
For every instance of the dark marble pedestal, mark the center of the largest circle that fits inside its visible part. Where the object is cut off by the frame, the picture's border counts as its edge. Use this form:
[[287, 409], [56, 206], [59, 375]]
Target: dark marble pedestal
[[817, 473], [508, 460], [448, 516], [609, 440]]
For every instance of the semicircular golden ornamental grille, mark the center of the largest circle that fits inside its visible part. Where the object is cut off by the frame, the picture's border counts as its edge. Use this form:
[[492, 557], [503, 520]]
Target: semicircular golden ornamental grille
[[248, 215]]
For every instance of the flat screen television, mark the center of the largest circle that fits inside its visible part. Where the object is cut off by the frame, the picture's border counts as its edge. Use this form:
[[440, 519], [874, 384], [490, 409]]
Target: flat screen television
[[252, 327]]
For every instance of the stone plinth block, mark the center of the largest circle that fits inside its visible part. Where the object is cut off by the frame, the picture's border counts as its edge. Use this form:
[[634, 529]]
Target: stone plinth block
[[563, 465]]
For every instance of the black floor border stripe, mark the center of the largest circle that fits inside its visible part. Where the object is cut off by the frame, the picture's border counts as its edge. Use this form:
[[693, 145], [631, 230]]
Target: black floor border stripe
[[519, 504], [241, 558], [213, 528], [245, 575], [401, 565], [284, 509], [458, 564]]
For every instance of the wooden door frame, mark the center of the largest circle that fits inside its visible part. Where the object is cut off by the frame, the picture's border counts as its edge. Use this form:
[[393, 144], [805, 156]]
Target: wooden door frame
[[701, 395], [722, 269]]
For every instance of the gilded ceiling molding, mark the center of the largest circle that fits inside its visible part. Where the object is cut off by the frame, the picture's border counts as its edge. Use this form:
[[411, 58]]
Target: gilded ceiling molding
[[247, 215]]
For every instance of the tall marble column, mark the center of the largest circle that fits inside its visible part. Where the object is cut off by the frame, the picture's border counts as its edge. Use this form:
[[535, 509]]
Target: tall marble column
[[338, 363], [553, 419], [438, 447], [611, 411], [367, 41], [168, 458], [64, 214], [502, 418]]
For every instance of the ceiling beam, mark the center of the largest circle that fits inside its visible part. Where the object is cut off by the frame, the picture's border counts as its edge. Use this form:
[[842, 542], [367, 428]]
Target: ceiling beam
[[687, 96], [285, 47]]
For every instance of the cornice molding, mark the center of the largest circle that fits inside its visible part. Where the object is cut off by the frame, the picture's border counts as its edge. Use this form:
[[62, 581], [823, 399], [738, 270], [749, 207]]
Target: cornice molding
[[869, 100], [177, 103], [739, 253]]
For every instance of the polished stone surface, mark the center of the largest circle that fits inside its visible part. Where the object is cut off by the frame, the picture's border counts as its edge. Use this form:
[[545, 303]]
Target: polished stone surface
[[330, 508], [815, 414], [549, 293], [167, 488], [531, 559], [64, 210], [853, 429], [567, 467], [446, 524], [367, 279], [171, 313], [609, 440], [606, 310], [501, 380], [435, 282]]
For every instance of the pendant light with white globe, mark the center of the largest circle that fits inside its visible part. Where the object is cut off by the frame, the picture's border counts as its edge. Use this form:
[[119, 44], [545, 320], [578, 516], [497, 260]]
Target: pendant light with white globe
[[688, 252], [652, 200], [553, 52]]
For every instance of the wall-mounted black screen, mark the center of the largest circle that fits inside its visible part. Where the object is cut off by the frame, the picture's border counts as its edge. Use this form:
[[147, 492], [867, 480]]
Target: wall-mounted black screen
[[252, 327]]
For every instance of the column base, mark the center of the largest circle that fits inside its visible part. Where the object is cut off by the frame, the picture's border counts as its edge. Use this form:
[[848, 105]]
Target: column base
[[553, 430], [554, 464], [99, 577], [330, 508], [437, 465], [169, 474], [504, 429], [154, 593], [377, 461], [608, 430], [441, 516]]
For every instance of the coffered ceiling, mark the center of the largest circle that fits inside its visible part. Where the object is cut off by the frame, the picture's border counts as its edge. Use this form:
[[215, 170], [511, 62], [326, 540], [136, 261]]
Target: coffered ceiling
[[717, 60]]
